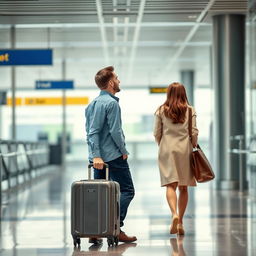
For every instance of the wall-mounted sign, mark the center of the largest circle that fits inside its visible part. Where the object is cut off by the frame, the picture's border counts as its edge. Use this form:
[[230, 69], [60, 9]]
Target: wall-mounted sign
[[42, 101], [157, 89], [16, 57], [48, 85]]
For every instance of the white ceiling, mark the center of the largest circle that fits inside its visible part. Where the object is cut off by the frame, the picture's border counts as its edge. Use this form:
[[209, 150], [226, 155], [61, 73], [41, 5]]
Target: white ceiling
[[148, 41]]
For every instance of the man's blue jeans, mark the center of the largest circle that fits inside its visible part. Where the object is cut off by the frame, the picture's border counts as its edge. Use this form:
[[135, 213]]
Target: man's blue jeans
[[119, 171]]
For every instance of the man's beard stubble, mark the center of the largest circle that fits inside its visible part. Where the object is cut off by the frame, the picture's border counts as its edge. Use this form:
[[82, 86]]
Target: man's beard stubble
[[116, 88]]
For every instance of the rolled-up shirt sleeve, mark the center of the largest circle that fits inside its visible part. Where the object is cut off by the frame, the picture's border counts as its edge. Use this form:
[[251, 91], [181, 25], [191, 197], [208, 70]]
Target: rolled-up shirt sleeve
[[94, 129], [115, 126]]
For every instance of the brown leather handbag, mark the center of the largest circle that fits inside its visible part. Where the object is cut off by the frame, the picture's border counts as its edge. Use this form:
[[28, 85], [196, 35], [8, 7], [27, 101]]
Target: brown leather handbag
[[199, 164]]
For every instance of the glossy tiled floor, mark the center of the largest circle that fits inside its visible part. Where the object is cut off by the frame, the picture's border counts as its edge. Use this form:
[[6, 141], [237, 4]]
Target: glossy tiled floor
[[36, 220]]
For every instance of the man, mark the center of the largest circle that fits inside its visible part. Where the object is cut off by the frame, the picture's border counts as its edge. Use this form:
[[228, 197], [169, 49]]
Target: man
[[106, 141]]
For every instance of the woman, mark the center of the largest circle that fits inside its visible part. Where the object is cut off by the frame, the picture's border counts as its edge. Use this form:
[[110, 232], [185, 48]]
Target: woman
[[172, 135]]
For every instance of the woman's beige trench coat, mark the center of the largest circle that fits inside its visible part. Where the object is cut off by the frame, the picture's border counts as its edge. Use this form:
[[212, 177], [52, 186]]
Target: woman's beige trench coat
[[174, 149]]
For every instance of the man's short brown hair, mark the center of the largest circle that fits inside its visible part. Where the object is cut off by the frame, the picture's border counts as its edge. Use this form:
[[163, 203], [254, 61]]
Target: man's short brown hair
[[103, 76]]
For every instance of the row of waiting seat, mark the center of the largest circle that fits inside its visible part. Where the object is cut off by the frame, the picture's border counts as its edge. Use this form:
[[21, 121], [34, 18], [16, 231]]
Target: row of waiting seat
[[21, 158]]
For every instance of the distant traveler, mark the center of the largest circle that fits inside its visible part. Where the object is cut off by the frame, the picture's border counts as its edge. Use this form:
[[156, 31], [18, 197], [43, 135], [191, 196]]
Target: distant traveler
[[172, 135], [106, 141]]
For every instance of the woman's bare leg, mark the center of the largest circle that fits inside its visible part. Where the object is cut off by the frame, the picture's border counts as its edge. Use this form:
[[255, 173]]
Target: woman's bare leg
[[182, 202], [172, 197], [172, 201]]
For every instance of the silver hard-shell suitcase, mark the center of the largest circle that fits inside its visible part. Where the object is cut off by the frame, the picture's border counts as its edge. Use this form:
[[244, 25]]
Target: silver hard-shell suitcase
[[95, 209]]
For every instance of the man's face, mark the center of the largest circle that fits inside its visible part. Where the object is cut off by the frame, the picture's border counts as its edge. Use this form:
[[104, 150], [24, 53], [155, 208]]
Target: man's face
[[116, 82]]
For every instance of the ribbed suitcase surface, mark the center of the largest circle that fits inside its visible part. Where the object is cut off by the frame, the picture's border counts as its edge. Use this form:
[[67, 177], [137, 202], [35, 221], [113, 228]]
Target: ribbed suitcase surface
[[95, 208]]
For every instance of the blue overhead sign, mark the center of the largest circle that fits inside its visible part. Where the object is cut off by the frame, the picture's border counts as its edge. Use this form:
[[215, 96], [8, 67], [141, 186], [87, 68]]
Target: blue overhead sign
[[45, 85], [25, 57]]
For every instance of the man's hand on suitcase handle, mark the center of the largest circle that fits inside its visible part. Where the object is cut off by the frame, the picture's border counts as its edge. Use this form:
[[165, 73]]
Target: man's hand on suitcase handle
[[98, 163]]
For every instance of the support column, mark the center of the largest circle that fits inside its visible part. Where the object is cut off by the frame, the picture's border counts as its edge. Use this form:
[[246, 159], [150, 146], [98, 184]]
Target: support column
[[64, 130], [210, 138], [229, 90], [1, 122], [13, 86], [187, 79]]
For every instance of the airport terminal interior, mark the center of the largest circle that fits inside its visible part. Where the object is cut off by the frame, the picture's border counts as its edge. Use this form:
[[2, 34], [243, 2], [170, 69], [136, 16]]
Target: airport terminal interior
[[50, 51]]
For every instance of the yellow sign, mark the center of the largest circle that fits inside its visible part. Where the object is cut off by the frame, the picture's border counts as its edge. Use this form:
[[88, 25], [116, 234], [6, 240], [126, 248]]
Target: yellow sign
[[39, 101], [77, 101], [4, 57], [158, 89], [17, 101], [43, 101]]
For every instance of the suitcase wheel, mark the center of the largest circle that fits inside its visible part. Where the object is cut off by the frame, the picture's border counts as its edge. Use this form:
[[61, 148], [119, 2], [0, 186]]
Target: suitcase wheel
[[111, 241], [77, 241], [116, 240]]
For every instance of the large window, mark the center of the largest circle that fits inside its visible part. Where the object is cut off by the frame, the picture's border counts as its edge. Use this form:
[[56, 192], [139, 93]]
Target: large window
[[251, 96], [138, 107]]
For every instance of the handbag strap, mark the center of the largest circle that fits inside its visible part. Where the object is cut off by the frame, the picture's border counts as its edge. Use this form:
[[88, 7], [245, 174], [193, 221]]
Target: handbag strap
[[190, 122]]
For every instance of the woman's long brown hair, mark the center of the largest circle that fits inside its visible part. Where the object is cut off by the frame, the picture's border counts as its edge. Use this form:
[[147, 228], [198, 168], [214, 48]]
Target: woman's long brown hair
[[176, 104]]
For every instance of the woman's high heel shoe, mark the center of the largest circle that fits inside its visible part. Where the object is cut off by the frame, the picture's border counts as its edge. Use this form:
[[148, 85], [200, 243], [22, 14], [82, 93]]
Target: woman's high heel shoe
[[180, 230], [173, 229]]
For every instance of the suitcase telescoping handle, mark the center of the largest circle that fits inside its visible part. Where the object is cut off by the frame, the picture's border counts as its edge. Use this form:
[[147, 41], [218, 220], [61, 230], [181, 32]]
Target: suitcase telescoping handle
[[90, 171]]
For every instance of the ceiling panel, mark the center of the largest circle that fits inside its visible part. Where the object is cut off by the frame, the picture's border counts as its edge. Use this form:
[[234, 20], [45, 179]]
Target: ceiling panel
[[227, 7], [47, 19], [47, 7], [174, 6], [148, 41]]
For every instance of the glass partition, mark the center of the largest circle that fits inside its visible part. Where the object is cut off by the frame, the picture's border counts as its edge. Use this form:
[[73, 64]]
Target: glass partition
[[252, 74]]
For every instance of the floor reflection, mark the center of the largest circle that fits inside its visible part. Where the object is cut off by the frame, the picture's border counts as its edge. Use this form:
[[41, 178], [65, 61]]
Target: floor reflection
[[96, 250], [177, 246], [36, 220]]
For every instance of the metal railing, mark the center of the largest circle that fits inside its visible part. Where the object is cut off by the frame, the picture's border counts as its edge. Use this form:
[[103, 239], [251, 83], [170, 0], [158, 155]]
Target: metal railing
[[241, 151]]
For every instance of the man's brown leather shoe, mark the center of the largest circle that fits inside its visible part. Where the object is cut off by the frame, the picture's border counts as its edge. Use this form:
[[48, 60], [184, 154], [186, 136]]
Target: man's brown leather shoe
[[126, 239]]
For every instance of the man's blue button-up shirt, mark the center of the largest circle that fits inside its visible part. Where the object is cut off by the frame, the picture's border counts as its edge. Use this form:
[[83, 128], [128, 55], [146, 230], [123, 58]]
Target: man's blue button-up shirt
[[105, 136]]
